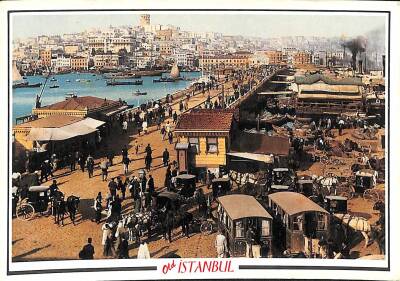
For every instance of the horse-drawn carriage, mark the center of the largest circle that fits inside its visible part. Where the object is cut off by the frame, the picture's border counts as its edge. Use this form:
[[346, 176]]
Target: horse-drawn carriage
[[237, 214], [298, 222], [186, 184], [37, 201], [220, 186], [282, 179]]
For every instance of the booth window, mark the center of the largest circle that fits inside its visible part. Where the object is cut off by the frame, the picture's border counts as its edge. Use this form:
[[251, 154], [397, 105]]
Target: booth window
[[194, 145], [212, 145], [321, 221], [298, 223], [239, 229], [265, 228]]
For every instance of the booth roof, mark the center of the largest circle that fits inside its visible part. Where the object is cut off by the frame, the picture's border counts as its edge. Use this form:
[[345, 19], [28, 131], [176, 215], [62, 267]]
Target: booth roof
[[294, 203], [239, 206], [80, 128]]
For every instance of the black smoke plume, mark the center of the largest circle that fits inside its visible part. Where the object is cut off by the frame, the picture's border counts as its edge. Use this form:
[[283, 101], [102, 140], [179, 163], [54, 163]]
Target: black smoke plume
[[355, 46]]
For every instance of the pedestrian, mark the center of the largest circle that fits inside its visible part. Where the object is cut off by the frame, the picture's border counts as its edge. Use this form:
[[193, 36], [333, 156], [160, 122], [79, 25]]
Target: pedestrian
[[81, 162], [220, 244], [125, 127], [112, 185], [167, 128], [124, 152], [165, 157], [170, 137], [168, 176], [250, 239], [175, 117], [110, 157], [90, 165], [143, 183], [144, 127], [123, 249], [163, 131], [148, 159], [148, 149], [150, 185], [123, 190], [87, 251], [106, 241], [126, 162], [136, 146], [98, 207], [104, 169]]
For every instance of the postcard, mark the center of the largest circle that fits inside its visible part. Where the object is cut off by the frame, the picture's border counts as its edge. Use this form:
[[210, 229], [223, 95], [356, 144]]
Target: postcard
[[199, 141]]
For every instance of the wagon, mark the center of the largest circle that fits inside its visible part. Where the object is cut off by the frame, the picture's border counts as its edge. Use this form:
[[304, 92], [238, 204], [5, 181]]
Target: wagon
[[365, 179], [220, 186], [186, 183], [37, 200], [298, 221], [236, 215], [283, 177]]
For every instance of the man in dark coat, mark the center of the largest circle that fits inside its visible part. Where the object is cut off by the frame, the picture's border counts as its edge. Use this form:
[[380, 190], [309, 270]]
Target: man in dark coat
[[112, 185], [148, 161], [87, 251], [150, 184], [123, 250], [165, 157]]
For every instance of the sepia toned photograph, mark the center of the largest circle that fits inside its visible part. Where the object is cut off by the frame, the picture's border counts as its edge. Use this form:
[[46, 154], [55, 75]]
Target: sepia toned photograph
[[179, 135]]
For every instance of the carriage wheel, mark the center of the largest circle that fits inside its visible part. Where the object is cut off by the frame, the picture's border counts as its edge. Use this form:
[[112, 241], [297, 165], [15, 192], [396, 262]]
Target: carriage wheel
[[25, 211], [206, 227]]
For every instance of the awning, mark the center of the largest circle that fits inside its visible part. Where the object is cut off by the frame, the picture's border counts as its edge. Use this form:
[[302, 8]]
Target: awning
[[80, 128], [253, 156], [115, 111]]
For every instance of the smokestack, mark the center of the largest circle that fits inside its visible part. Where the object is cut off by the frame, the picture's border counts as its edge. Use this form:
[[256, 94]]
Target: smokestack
[[383, 65], [360, 66]]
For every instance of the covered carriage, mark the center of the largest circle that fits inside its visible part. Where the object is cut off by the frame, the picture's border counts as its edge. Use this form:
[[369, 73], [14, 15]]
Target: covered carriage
[[37, 200], [236, 215], [365, 179], [186, 184], [299, 221]]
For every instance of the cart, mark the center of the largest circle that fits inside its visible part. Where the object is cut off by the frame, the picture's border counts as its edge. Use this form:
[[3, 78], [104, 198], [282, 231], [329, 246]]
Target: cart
[[37, 201]]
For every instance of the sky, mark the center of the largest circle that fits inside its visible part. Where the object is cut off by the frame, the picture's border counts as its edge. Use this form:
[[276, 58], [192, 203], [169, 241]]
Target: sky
[[265, 25]]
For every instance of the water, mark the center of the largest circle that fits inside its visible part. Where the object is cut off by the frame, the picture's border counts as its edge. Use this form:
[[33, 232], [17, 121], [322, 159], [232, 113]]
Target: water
[[24, 98]]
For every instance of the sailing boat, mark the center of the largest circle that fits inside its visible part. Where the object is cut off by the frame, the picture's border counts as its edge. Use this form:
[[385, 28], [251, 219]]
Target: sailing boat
[[18, 81], [174, 75]]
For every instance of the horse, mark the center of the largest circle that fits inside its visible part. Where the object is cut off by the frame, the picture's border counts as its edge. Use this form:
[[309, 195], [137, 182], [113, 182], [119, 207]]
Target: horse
[[72, 206], [357, 223], [59, 210]]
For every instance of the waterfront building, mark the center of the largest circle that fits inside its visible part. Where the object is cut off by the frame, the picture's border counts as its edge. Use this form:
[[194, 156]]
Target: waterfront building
[[301, 58], [318, 94], [79, 63], [106, 44], [86, 106], [106, 60], [61, 63], [45, 56], [71, 49], [275, 57], [184, 58], [224, 61], [258, 58], [204, 137]]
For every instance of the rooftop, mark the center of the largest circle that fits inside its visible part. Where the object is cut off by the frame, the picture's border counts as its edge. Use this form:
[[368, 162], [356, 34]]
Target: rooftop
[[205, 120], [239, 206], [294, 203], [53, 121], [81, 103], [311, 79]]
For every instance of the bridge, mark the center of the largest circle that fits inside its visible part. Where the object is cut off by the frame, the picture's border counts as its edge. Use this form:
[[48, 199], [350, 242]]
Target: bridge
[[256, 89]]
